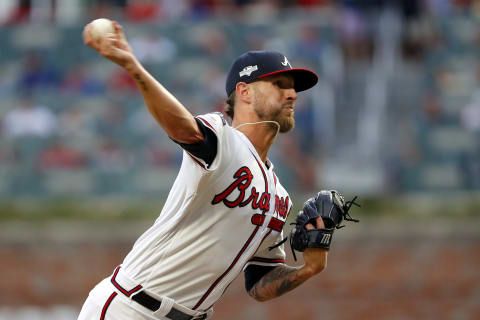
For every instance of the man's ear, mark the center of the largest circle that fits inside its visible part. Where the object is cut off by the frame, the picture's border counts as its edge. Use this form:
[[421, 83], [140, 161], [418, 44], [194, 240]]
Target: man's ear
[[244, 92]]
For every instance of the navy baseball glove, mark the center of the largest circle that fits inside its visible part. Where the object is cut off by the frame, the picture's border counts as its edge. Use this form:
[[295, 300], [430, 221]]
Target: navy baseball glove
[[332, 207]]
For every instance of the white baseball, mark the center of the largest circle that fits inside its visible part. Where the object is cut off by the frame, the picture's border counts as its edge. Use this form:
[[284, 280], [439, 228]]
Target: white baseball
[[99, 28]]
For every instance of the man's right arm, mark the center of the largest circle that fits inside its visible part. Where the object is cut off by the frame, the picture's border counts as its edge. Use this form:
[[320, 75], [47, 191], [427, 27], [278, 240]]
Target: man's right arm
[[175, 119]]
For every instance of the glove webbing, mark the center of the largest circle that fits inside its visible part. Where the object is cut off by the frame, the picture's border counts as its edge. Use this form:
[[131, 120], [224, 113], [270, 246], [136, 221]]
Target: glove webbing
[[346, 217], [346, 208]]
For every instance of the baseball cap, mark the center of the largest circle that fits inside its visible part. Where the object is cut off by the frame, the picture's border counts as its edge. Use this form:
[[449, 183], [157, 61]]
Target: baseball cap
[[254, 65]]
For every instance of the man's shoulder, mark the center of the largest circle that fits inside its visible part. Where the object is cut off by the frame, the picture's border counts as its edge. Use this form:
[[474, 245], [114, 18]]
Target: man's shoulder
[[215, 121], [216, 117]]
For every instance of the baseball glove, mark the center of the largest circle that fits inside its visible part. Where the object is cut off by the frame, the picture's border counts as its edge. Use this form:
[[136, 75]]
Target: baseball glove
[[332, 207]]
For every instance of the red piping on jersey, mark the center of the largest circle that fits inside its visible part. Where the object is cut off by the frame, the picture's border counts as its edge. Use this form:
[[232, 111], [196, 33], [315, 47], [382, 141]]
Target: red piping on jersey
[[263, 172], [106, 305], [119, 287], [259, 259], [266, 236], [228, 269], [206, 122], [198, 162]]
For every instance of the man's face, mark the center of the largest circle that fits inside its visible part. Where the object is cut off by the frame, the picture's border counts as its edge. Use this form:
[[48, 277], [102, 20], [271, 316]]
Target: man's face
[[274, 99]]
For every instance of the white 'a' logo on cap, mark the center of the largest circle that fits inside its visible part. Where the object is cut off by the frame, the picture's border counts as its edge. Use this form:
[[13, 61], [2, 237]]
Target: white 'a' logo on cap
[[286, 63]]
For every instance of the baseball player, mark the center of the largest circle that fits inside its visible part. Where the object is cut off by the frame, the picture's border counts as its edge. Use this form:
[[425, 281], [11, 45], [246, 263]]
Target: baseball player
[[226, 209]]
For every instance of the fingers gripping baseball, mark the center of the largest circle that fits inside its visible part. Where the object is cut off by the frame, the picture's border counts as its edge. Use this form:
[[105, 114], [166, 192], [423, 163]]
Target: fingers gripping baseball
[[111, 45]]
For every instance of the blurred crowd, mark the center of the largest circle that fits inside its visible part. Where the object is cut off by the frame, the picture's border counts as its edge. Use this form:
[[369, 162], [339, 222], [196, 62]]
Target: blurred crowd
[[54, 11], [68, 115]]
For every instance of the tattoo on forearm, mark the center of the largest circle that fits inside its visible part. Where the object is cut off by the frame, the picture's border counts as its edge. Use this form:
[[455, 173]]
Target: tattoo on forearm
[[141, 82], [275, 283]]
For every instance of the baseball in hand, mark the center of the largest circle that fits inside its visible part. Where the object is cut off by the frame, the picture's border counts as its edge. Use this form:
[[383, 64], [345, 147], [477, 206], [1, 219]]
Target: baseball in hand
[[99, 28]]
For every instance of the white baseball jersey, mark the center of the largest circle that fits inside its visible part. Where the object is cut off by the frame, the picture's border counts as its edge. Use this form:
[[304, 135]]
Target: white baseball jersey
[[217, 219]]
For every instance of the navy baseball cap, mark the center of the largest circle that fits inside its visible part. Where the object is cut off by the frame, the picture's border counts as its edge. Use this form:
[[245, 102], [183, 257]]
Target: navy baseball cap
[[254, 65]]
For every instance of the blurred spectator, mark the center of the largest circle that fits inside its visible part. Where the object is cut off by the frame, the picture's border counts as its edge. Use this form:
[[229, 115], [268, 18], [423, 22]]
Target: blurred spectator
[[308, 44], [29, 119], [76, 124], [172, 10], [311, 3], [305, 126], [114, 9], [121, 81], [20, 13], [300, 165], [213, 83], [152, 48], [29, 11], [261, 11], [212, 43], [142, 10], [112, 122], [431, 112], [59, 155], [7, 156], [37, 73], [110, 158], [157, 155], [353, 25], [470, 114], [438, 7], [80, 80], [200, 9]]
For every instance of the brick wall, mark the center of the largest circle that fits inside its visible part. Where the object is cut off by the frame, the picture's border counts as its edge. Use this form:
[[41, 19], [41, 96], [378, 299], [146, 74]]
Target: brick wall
[[379, 271]]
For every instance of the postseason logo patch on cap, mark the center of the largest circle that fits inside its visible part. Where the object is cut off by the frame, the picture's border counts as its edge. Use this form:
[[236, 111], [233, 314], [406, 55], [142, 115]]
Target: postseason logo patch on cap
[[247, 71]]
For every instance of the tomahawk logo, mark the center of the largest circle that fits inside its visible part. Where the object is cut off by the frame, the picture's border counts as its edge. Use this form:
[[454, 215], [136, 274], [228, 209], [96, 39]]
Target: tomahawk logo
[[247, 71], [286, 63], [325, 238]]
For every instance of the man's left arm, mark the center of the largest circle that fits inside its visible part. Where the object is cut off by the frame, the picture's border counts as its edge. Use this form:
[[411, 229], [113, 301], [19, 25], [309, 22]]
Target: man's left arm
[[282, 279]]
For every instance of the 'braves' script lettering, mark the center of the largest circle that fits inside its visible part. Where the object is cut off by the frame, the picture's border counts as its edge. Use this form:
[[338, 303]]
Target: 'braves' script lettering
[[281, 206], [243, 178]]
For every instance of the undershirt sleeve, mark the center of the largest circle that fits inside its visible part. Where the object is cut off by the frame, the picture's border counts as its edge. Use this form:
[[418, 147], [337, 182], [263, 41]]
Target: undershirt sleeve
[[253, 273], [206, 149]]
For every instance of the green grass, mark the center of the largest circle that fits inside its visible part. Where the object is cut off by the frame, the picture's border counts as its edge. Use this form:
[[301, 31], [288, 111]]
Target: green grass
[[125, 208], [112, 208]]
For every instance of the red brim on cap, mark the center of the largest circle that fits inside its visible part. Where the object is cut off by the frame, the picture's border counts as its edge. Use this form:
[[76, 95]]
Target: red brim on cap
[[303, 78]]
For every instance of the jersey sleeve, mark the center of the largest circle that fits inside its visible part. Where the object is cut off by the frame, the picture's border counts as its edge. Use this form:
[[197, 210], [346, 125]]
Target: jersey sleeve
[[206, 153], [271, 256]]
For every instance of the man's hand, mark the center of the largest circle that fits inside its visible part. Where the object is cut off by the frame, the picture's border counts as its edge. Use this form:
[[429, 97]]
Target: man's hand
[[113, 46]]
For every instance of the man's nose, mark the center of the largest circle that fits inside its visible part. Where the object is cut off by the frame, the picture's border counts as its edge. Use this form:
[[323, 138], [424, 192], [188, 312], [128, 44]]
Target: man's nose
[[291, 94]]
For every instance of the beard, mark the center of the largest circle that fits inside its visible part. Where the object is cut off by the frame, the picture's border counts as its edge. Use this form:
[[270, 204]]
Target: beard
[[269, 112]]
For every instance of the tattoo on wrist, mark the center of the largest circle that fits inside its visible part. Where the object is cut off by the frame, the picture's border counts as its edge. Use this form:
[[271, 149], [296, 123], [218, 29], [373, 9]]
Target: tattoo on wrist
[[141, 82], [275, 283]]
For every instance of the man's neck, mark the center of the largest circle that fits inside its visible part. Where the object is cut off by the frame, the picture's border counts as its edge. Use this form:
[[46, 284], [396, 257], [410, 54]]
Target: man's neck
[[261, 135]]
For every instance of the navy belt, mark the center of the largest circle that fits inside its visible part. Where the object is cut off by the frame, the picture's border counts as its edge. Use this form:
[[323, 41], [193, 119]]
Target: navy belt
[[152, 303]]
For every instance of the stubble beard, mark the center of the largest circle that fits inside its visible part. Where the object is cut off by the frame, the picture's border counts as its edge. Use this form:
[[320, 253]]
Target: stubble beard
[[269, 112]]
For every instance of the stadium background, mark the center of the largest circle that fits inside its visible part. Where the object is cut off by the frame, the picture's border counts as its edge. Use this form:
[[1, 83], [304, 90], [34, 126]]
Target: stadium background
[[394, 119]]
